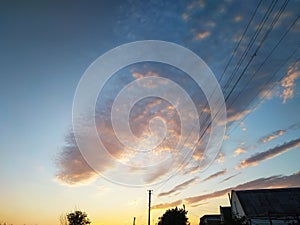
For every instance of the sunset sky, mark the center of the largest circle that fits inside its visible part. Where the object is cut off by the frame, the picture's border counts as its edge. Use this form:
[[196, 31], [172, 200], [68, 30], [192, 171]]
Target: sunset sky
[[46, 47]]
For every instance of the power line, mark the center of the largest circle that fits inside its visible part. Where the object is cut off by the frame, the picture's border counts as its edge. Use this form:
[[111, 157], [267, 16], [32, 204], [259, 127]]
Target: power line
[[252, 40], [260, 27], [281, 78], [250, 44], [268, 56], [258, 47], [242, 37]]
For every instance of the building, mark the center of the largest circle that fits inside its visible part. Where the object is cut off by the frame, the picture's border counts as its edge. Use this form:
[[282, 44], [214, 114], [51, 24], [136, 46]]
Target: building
[[226, 216], [267, 206], [210, 220]]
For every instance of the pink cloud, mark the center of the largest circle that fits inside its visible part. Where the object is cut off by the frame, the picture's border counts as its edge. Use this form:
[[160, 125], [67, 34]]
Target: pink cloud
[[179, 187], [239, 151], [255, 159], [269, 182], [272, 136], [288, 83], [217, 174]]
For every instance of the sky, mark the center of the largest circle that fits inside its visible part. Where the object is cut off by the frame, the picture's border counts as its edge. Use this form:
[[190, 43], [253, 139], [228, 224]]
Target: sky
[[50, 163]]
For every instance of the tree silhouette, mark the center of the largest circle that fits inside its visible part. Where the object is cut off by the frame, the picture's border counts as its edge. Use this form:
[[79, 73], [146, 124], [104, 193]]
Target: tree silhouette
[[63, 220], [78, 218], [174, 217]]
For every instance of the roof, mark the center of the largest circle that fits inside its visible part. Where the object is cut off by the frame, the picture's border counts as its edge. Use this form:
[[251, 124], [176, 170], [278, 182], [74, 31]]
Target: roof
[[211, 217], [270, 202]]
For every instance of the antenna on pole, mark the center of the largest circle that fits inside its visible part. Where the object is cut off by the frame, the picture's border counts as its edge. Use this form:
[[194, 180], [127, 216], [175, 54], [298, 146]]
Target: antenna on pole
[[149, 209]]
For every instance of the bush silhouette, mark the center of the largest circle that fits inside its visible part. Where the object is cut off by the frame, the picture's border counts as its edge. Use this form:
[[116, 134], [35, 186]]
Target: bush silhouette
[[174, 216], [78, 218]]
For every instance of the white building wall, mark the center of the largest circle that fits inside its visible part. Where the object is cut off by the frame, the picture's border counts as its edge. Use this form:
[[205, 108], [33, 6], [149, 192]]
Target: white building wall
[[236, 206]]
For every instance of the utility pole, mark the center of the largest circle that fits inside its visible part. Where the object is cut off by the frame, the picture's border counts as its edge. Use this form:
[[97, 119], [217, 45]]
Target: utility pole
[[149, 209]]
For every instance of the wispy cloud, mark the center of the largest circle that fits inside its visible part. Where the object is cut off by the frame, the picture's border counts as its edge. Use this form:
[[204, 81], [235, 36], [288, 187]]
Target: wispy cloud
[[288, 83], [179, 187], [217, 174], [272, 136], [138, 75], [220, 158], [230, 177], [236, 116], [196, 205], [73, 169], [167, 205], [278, 181], [273, 181], [215, 51], [238, 18], [202, 35], [156, 173], [255, 159], [278, 133], [295, 126], [239, 151]]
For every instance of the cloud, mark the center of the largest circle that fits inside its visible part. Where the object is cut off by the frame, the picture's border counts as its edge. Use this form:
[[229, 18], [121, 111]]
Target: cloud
[[138, 75], [278, 181], [295, 126], [198, 155], [216, 50], [185, 16], [157, 173], [203, 35], [73, 169], [220, 158], [226, 137], [196, 205], [141, 124], [237, 116], [272, 136], [196, 4], [267, 93], [217, 174], [167, 205], [191, 170], [238, 151], [269, 182], [230, 177], [238, 18], [288, 83], [179, 187], [278, 133], [255, 159]]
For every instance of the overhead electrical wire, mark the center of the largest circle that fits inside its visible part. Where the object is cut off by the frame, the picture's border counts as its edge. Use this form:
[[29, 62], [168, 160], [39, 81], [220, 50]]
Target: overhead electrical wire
[[252, 40], [250, 44], [270, 9], [275, 20], [265, 60], [274, 84], [241, 38], [254, 37]]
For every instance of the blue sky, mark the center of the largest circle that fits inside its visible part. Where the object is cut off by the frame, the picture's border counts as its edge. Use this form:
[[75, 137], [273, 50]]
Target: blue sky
[[47, 46]]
